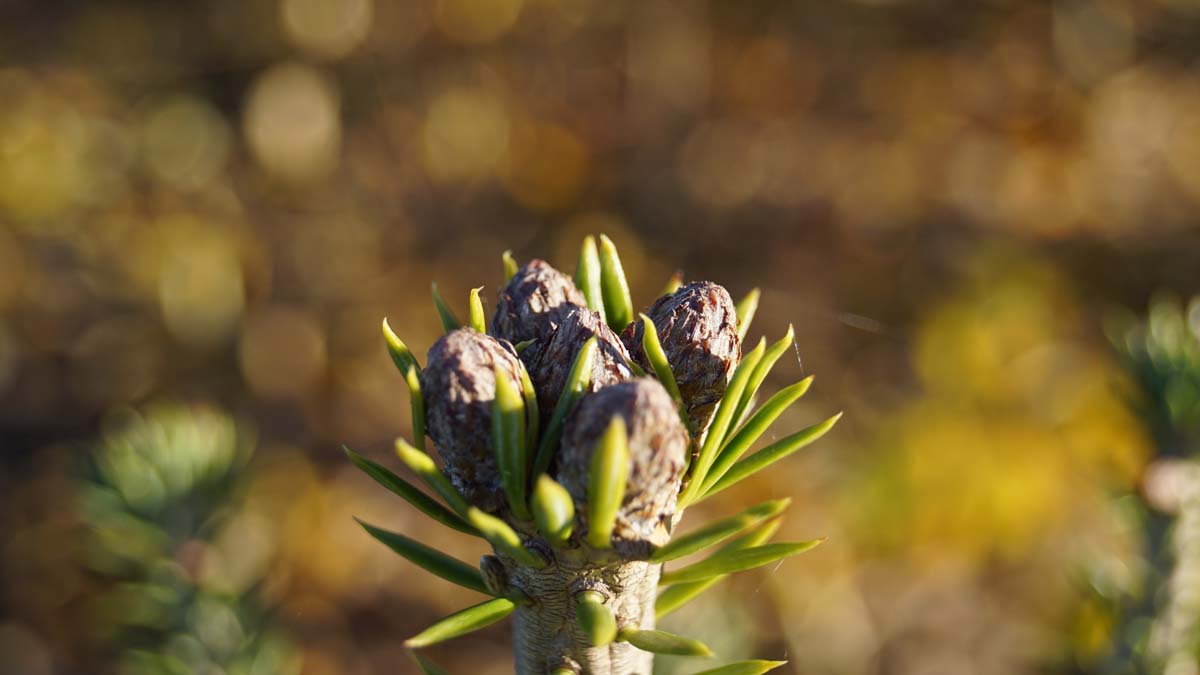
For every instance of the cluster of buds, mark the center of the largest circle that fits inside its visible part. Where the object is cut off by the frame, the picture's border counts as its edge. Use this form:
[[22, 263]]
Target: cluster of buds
[[571, 436]]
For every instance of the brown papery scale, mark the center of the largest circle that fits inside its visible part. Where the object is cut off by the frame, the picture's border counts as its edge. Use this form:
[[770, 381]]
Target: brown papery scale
[[533, 304], [658, 446], [697, 326], [549, 372], [459, 385]]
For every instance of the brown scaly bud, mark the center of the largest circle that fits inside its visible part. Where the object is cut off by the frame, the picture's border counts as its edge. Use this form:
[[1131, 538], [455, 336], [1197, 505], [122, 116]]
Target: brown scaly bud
[[459, 385], [697, 326], [658, 447], [533, 305], [549, 372]]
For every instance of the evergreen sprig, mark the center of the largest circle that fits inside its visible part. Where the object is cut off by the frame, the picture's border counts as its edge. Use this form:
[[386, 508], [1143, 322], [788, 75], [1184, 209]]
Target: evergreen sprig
[[542, 515]]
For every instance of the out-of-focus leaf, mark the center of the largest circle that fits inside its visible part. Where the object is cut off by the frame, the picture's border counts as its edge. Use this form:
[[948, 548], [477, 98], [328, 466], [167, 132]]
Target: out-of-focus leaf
[[476, 319], [675, 596], [577, 382], [508, 439], [771, 454], [662, 642], [754, 427], [553, 510], [720, 424], [523, 345], [718, 531], [756, 667], [746, 309], [618, 305], [587, 275], [509, 263], [401, 355], [460, 623], [430, 559], [608, 473], [410, 493], [674, 283], [595, 620], [449, 321], [422, 464], [427, 667], [503, 537], [728, 562]]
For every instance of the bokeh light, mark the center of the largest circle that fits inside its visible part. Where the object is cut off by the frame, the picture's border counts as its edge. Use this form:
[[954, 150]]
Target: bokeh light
[[282, 352], [328, 28], [476, 22], [185, 142], [292, 123], [200, 287], [466, 133]]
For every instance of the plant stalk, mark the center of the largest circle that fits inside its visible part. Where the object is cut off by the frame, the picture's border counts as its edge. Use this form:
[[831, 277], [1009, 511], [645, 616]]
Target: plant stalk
[[546, 636]]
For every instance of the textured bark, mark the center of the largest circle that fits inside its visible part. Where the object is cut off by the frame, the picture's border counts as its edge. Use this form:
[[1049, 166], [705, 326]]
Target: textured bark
[[550, 370], [545, 633], [532, 306], [459, 385], [697, 326], [658, 446]]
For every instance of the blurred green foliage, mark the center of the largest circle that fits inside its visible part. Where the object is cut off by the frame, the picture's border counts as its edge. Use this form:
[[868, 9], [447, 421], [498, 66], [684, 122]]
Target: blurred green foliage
[[163, 485], [1163, 352], [1157, 622]]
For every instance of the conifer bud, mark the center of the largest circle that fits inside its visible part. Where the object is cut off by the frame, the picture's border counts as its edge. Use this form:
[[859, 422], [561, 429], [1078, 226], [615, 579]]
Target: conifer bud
[[697, 326], [533, 304], [658, 446], [549, 372], [459, 384]]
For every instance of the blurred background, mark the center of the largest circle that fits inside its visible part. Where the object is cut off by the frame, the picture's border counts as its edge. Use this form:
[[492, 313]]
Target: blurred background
[[983, 219]]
